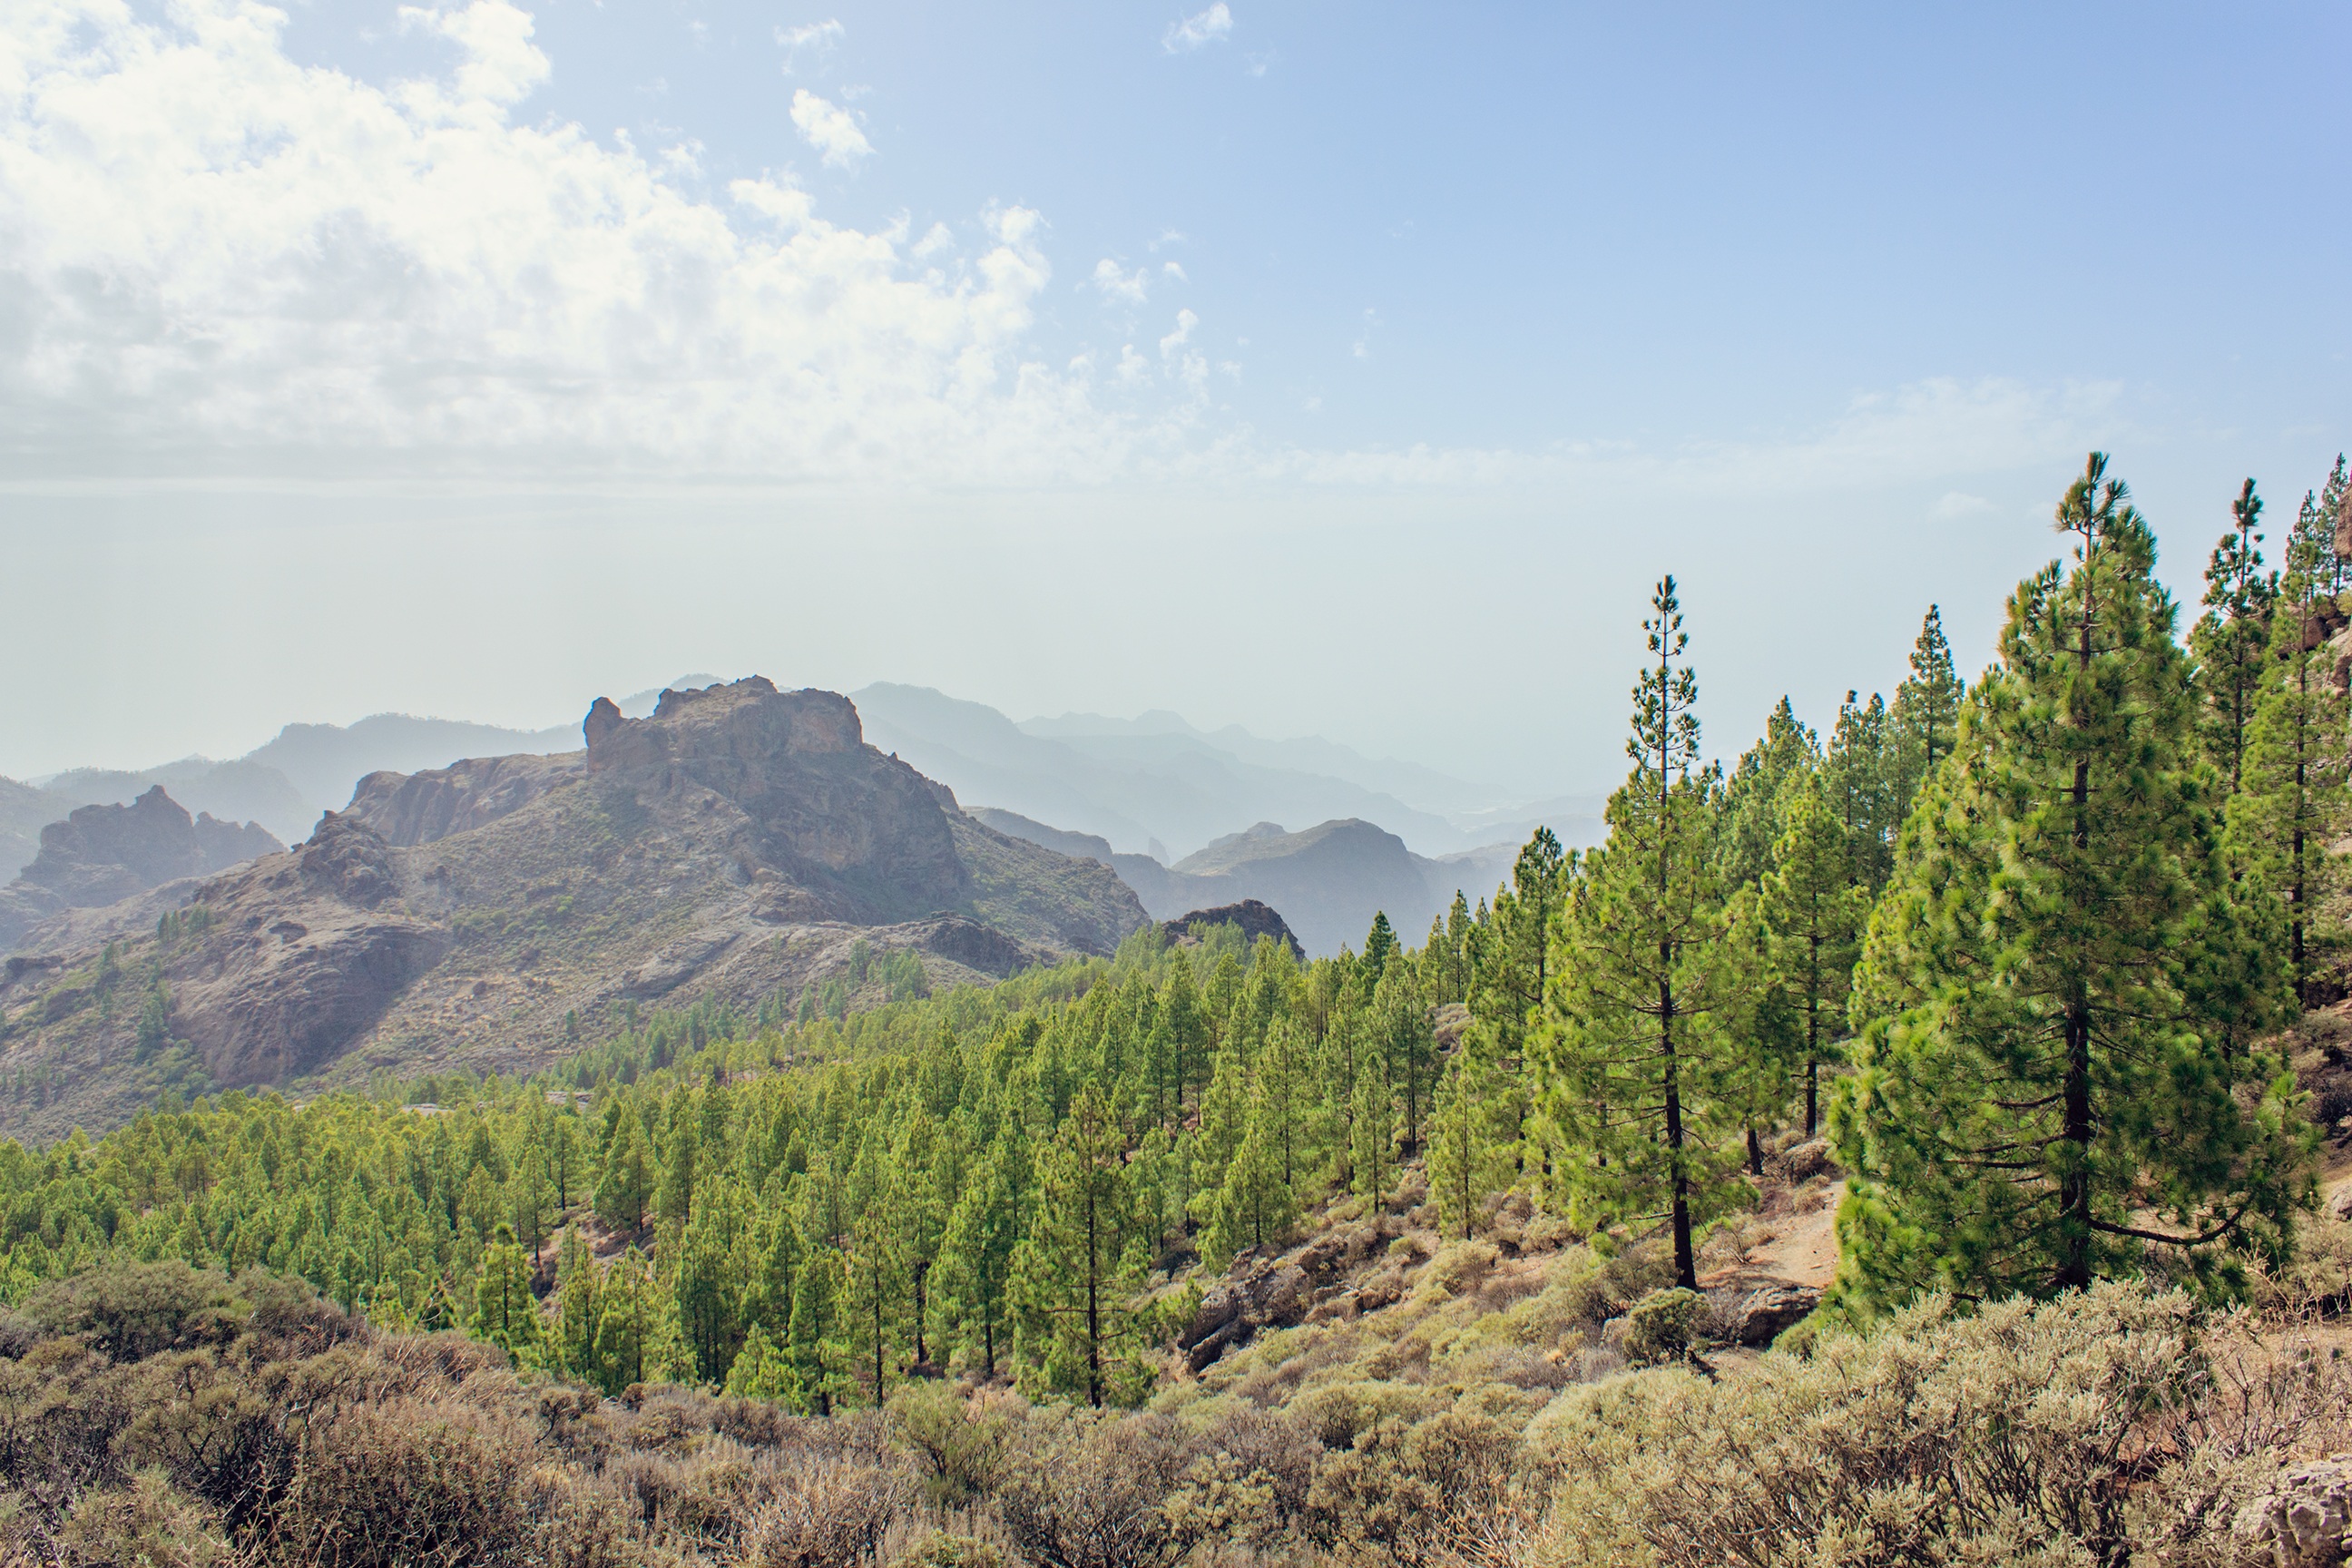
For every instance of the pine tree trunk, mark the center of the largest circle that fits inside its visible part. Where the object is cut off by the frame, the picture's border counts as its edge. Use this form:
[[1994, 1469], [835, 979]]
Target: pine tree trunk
[[1094, 1319], [1685, 1263]]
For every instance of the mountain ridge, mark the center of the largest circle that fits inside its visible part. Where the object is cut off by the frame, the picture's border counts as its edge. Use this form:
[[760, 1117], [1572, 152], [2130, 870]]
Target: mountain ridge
[[742, 844]]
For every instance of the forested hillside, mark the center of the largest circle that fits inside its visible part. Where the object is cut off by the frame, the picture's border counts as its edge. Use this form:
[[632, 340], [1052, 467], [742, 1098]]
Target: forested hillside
[[2033, 953]]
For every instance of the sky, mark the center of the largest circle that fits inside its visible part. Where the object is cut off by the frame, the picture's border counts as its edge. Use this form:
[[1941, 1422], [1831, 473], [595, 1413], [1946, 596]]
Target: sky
[[1350, 370]]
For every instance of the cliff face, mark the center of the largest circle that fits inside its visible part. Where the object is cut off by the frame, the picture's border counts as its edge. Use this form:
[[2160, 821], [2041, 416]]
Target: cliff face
[[736, 845]]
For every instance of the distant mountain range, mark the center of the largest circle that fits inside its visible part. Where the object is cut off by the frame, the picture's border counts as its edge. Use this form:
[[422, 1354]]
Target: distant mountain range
[[286, 784], [1167, 805], [1156, 786], [1327, 881]]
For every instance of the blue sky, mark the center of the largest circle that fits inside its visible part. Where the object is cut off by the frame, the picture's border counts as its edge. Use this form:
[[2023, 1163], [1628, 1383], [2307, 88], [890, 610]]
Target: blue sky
[[1376, 357]]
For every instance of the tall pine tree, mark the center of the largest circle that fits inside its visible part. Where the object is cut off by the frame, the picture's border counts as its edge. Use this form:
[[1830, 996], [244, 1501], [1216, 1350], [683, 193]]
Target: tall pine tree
[[2045, 1093], [2291, 802], [1640, 1062], [2231, 641]]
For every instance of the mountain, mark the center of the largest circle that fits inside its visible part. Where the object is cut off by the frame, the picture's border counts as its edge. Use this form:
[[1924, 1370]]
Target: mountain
[[739, 845], [1327, 881], [102, 855], [1143, 789], [239, 790], [324, 762], [307, 769]]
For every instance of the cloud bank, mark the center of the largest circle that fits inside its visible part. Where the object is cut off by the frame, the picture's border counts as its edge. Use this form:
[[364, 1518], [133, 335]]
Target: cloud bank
[[214, 259]]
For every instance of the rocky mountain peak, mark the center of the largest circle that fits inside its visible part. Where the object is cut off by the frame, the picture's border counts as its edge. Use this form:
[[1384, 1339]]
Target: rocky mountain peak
[[101, 854]]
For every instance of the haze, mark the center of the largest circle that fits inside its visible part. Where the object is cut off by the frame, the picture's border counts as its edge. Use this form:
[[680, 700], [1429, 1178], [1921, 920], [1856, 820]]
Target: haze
[[1343, 371]]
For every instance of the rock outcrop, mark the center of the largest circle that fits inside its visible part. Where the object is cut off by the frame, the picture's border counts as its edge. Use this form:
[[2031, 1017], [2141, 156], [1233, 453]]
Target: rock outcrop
[[102, 855], [741, 844], [417, 808], [2304, 1520], [1256, 920]]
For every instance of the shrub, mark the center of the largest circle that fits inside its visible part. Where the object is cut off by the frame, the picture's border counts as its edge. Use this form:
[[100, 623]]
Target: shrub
[[1082, 1490], [1664, 1325], [2014, 1435], [824, 1509]]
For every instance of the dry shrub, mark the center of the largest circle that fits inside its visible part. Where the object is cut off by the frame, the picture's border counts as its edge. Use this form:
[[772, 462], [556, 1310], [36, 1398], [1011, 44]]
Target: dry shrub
[[1247, 1482], [1439, 1492], [2016, 1435], [959, 1438], [940, 1549], [1666, 1325], [824, 1509], [438, 1479], [148, 1522], [1080, 1489]]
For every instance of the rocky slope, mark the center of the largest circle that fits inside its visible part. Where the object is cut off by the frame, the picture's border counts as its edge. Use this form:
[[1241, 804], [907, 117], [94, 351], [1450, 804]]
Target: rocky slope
[[736, 845], [102, 855]]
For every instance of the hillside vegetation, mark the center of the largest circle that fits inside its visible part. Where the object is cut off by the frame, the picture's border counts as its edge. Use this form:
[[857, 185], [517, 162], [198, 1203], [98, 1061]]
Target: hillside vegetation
[[1445, 1252]]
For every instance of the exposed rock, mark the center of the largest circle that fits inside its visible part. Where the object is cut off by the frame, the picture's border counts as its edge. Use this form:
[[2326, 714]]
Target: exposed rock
[[675, 965], [2305, 1519], [973, 945], [603, 718], [1806, 1160], [102, 855], [1757, 1317], [2339, 1204], [349, 859], [737, 844], [1256, 919], [418, 808]]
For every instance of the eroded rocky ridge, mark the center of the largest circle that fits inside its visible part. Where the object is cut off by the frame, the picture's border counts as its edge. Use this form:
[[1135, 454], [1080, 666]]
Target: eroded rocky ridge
[[102, 855], [736, 845]]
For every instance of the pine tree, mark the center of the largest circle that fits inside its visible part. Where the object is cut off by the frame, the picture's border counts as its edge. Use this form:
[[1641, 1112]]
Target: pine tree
[[505, 1312], [1254, 1204], [625, 1329], [1640, 1062], [1468, 1162], [2231, 640], [1380, 946], [627, 1181], [975, 1265], [1752, 796], [761, 1371], [811, 1340], [1510, 961], [578, 1309], [1078, 1277], [1926, 714], [1812, 914], [2292, 803], [2048, 990], [873, 1270], [1859, 776]]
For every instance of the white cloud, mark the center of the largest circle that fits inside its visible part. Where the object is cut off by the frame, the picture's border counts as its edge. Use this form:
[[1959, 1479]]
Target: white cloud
[[1185, 322], [1116, 284], [219, 261], [1133, 368], [1174, 270], [822, 37], [502, 66], [830, 130], [1213, 25]]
